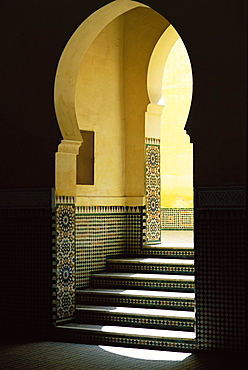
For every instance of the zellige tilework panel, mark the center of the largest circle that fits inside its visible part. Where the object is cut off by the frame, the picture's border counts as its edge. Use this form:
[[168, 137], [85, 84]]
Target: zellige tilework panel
[[26, 262], [65, 250], [177, 218], [220, 262], [101, 232], [153, 183]]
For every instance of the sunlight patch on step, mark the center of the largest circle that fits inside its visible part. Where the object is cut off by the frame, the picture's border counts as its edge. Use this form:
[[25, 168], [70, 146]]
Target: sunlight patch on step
[[152, 311], [162, 277], [154, 293], [147, 354], [157, 333], [172, 245], [165, 261]]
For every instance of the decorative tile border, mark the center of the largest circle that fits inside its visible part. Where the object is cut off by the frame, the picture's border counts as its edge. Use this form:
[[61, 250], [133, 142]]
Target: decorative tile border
[[150, 268], [153, 183], [38, 198], [142, 284], [148, 321], [220, 197], [169, 303], [65, 199], [169, 252], [177, 219]]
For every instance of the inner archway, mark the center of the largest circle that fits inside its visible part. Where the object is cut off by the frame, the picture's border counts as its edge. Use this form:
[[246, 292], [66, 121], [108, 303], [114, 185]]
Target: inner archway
[[109, 87], [170, 93], [176, 148]]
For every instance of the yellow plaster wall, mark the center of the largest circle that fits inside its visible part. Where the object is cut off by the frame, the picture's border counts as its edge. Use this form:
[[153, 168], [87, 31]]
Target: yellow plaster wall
[[112, 103], [100, 109], [142, 29], [176, 149]]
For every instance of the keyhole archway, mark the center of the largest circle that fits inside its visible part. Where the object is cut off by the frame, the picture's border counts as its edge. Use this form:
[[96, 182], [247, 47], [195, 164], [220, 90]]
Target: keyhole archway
[[135, 82], [109, 82]]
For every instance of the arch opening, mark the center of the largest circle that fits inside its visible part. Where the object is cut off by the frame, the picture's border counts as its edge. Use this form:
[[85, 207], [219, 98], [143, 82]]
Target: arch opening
[[109, 83]]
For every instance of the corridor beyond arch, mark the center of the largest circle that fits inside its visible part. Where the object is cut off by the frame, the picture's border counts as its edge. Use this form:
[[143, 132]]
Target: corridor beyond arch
[[109, 83]]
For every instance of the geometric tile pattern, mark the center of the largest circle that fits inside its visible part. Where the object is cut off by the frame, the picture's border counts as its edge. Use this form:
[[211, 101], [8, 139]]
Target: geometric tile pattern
[[27, 198], [65, 268], [186, 304], [220, 288], [135, 326], [26, 218], [148, 267], [153, 232], [90, 316], [220, 197], [174, 285], [169, 252], [220, 256], [103, 231], [177, 218]]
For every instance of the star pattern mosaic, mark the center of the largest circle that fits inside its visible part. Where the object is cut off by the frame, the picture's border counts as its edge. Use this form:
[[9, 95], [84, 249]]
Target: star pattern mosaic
[[153, 183], [65, 288]]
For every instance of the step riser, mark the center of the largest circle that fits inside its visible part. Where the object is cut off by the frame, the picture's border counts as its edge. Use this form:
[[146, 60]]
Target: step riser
[[166, 253], [88, 337], [147, 285], [146, 302], [132, 320], [149, 268]]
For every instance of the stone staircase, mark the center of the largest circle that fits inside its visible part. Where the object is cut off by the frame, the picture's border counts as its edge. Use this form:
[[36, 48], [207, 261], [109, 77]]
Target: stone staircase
[[142, 301]]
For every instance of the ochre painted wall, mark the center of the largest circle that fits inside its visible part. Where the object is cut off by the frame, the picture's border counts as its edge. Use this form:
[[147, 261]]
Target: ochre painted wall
[[176, 149], [100, 109], [111, 100]]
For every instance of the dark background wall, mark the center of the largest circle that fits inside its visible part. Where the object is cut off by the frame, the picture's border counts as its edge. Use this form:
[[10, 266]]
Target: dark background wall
[[33, 34]]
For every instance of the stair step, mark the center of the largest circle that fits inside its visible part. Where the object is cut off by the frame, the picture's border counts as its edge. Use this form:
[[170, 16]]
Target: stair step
[[150, 318], [143, 281], [137, 298], [173, 266], [127, 336]]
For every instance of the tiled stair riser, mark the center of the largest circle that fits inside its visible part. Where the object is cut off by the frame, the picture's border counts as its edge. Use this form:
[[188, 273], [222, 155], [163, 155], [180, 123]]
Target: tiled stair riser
[[152, 302], [166, 285], [149, 322], [74, 335], [167, 252], [142, 284], [146, 267]]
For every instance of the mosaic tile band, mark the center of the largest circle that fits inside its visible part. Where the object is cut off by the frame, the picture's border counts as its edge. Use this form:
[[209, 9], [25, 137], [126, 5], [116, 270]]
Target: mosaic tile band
[[220, 197], [103, 338], [177, 218], [65, 267], [183, 304], [153, 183]]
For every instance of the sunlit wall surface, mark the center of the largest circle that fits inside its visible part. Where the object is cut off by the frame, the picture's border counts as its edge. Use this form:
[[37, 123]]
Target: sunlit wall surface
[[176, 149]]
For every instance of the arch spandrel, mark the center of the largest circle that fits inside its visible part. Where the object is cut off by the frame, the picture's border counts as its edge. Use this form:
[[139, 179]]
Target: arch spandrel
[[71, 59]]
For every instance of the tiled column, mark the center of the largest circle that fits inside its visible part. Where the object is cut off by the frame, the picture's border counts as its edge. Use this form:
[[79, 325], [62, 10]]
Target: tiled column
[[153, 182], [65, 257]]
